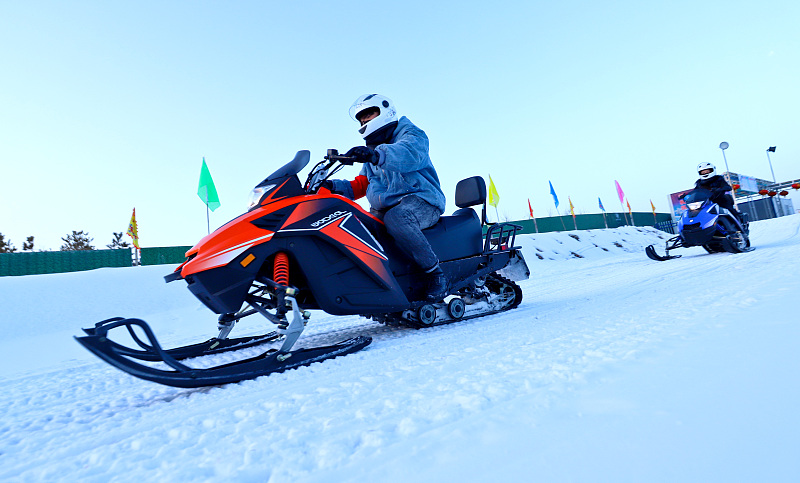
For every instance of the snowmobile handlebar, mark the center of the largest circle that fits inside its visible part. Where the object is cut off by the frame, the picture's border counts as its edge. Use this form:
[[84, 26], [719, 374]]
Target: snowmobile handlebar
[[327, 167], [333, 155]]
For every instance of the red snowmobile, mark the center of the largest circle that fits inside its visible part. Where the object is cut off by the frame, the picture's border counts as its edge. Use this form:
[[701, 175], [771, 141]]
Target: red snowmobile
[[298, 248]]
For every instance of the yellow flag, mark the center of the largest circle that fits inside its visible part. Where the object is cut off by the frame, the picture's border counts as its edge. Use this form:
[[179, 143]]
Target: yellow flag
[[629, 207], [571, 208], [133, 230], [494, 198]]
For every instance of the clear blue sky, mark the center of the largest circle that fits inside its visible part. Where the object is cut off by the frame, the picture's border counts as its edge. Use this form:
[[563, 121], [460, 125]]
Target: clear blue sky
[[106, 106]]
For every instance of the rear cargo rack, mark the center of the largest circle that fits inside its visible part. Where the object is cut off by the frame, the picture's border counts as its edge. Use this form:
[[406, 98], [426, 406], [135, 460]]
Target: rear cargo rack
[[500, 236]]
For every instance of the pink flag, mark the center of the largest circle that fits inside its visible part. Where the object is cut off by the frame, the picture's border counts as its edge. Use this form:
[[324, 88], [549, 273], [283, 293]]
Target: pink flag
[[619, 191]]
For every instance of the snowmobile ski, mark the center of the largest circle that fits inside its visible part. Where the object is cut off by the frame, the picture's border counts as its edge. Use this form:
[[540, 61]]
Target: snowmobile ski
[[270, 362], [211, 346], [650, 251]]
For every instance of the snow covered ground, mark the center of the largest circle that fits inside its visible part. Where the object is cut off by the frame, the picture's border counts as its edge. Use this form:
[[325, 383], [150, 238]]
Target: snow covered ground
[[613, 368]]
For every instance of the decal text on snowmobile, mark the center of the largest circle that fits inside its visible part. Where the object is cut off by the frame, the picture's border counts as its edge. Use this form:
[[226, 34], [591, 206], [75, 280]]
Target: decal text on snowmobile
[[328, 218]]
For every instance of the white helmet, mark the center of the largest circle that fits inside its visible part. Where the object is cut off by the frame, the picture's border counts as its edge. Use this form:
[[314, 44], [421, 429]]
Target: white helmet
[[706, 170], [386, 112]]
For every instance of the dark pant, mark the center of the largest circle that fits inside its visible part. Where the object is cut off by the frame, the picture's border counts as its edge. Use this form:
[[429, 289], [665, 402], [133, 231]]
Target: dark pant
[[405, 222]]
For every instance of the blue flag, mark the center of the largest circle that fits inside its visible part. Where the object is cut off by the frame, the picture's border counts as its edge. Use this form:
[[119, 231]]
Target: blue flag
[[553, 192], [601, 204]]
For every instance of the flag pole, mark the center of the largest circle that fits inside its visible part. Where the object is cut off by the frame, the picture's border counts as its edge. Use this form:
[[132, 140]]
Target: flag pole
[[206, 191], [624, 216], [603, 209]]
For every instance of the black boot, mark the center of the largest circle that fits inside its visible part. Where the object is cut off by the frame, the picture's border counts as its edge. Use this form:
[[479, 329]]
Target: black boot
[[739, 216], [436, 284], [744, 219]]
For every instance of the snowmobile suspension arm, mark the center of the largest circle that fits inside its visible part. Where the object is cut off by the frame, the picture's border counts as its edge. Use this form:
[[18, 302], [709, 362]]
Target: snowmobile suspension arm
[[295, 328]]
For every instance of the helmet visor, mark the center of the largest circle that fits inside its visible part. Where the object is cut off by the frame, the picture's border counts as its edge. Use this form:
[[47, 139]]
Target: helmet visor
[[360, 104], [367, 115], [706, 171]]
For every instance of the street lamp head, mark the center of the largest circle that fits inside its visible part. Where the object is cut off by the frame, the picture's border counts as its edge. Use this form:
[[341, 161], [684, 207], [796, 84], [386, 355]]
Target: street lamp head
[[723, 145]]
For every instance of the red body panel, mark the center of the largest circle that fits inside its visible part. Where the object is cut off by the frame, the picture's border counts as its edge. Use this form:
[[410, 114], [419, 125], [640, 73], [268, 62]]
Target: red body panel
[[237, 236]]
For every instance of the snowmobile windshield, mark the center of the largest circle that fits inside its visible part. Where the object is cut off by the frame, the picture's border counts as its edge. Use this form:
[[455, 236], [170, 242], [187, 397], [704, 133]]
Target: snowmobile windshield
[[697, 195], [294, 166], [695, 200]]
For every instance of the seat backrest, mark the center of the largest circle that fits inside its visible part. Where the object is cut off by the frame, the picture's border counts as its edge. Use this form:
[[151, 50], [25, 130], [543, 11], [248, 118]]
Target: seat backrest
[[470, 192]]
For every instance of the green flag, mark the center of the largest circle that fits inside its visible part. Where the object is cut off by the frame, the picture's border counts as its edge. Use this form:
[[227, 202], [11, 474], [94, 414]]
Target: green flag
[[206, 189]]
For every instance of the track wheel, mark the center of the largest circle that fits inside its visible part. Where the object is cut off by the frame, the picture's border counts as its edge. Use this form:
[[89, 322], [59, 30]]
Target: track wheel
[[427, 314], [456, 308]]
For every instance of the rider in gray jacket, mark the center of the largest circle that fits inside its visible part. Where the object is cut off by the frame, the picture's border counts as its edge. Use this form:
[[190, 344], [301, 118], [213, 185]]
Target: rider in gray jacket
[[399, 181]]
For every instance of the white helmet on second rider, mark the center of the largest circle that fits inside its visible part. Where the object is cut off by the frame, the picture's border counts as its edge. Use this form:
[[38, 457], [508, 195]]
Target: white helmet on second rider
[[370, 104], [706, 170]]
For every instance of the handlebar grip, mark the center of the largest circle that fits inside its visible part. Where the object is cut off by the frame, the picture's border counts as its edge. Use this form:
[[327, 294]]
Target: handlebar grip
[[348, 160]]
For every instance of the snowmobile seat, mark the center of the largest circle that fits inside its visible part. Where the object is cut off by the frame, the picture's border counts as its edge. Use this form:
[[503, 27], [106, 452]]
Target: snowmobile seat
[[460, 235]]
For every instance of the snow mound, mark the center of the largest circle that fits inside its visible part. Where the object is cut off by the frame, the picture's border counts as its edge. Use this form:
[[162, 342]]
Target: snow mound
[[589, 243]]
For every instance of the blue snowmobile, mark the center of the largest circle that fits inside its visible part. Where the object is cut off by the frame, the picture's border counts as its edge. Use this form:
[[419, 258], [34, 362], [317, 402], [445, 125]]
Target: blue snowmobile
[[706, 224]]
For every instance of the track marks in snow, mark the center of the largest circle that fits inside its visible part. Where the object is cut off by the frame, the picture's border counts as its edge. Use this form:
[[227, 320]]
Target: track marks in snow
[[577, 321]]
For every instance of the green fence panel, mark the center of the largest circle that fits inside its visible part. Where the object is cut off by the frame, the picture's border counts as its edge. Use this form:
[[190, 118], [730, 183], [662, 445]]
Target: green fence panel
[[594, 221], [164, 255], [33, 263]]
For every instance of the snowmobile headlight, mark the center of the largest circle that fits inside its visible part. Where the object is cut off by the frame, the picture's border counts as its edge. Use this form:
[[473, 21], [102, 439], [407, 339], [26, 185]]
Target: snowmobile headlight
[[695, 206], [257, 193]]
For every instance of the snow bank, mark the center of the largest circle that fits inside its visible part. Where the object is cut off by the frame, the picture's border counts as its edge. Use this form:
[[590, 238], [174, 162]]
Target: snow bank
[[590, 243]]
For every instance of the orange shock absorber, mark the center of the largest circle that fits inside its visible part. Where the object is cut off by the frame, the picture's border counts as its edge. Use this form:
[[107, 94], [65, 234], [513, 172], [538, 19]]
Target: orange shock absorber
[[281, 269]]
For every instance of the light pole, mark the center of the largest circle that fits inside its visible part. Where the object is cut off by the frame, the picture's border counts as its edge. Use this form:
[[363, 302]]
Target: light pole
[[723, 146], [780, 204], [772, 149]]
